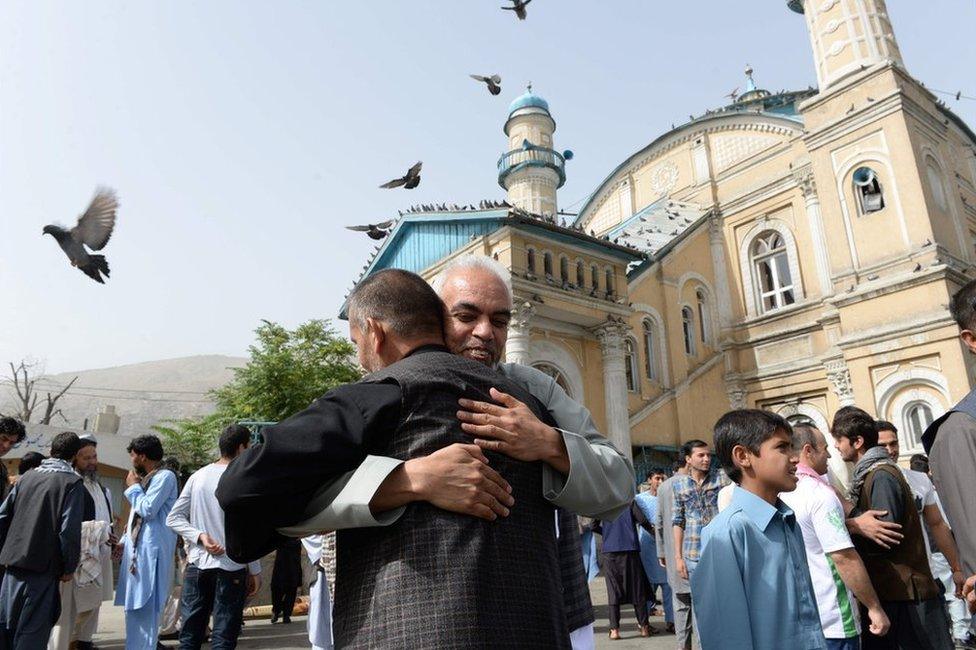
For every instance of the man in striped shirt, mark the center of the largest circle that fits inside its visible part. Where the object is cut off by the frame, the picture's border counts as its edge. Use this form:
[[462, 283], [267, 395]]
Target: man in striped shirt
[[837, 572]]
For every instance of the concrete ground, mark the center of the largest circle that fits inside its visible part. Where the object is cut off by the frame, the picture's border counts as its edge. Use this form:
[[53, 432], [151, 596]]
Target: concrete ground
[[261, 634]]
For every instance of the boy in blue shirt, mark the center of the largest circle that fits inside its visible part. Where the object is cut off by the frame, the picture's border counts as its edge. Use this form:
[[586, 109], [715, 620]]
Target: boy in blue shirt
[[752, 589]]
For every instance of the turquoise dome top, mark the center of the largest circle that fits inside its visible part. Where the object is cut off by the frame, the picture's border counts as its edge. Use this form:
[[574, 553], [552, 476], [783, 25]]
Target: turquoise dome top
[[528, 100]]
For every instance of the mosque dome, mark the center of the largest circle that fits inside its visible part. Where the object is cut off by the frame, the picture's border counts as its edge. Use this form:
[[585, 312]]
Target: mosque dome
[[528, 100]]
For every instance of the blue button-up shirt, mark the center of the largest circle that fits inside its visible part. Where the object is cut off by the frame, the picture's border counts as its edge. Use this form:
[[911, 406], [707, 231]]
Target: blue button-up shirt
[[752, 588]]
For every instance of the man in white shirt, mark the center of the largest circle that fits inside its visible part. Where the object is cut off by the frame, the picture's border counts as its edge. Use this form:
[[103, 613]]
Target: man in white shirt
[[837, 572], [944, 559], [213, 582]]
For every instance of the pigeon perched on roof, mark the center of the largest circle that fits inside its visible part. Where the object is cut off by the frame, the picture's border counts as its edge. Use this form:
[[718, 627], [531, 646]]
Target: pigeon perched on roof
[[374, 230], [518, 6], [94, 228], [492, 82], [410, 181]]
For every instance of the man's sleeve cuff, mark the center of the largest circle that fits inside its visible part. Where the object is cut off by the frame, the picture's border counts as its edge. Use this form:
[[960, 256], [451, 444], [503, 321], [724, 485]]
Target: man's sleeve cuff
[[346, 504], [132, 490]]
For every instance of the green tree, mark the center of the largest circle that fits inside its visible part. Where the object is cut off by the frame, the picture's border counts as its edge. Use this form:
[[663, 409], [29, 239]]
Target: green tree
[[286, 371]]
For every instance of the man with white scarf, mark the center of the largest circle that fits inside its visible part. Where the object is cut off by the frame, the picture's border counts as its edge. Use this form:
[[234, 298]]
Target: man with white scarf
[[81, 598], [40, 544]]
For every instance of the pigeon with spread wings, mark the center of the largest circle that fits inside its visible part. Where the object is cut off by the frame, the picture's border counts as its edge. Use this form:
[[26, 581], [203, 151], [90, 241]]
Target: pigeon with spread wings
[[492, 82], [518, 6], [410, 181], [94, 228], [374, 230]]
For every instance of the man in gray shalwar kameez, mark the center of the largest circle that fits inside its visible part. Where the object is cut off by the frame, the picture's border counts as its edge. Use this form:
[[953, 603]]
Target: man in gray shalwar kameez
[[951, 444], [40, 534]]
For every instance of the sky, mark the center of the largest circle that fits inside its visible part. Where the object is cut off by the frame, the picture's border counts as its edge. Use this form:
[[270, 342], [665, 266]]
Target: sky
[[243, 135]]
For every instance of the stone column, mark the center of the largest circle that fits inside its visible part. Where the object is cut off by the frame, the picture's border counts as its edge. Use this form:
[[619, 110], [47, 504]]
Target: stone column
[[840, 377], [723, 294], [611, 335], [804, 179], [519, 346]]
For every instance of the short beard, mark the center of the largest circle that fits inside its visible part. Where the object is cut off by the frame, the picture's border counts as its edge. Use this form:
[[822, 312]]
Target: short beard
[[91, 474]]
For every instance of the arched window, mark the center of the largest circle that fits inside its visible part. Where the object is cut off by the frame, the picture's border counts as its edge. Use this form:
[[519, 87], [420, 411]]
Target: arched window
[[867, 190], [702, 315], [772, 269], [547, 265], [595, 277], [630, 364], [799, 418], [935, 182], [918, 417], [530, 260], [580, 274], [563, 268], [553, 372], [609, 275], [688, 329], [650, 360]]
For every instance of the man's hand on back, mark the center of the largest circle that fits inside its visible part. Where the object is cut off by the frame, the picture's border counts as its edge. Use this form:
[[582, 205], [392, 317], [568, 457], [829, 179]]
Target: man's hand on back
[[870, 525], [456, 478], [511, 428]]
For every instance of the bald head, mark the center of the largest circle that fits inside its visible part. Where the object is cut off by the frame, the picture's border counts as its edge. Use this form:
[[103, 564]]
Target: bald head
[[811, 446]]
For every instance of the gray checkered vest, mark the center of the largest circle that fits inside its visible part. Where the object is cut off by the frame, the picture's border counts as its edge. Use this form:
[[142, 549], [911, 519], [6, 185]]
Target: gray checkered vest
[[435, 579]]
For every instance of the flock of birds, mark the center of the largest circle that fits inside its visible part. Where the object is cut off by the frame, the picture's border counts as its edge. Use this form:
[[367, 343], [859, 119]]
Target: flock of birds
[[411, 179]]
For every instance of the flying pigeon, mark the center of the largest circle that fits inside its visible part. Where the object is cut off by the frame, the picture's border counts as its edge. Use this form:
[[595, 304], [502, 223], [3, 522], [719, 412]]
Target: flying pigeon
[[518, 6], [491, 81], [410, 181], [374, 230], [94, 228]]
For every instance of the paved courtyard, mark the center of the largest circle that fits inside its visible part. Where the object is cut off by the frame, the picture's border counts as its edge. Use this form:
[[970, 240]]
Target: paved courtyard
[[261, 634]]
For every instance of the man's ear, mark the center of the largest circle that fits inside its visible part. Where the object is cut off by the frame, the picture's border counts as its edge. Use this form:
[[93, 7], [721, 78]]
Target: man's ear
[[969, 339], [741, 456], [377, 334]]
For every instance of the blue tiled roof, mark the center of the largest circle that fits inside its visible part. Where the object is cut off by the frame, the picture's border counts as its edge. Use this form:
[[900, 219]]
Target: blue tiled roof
[[527, 100]]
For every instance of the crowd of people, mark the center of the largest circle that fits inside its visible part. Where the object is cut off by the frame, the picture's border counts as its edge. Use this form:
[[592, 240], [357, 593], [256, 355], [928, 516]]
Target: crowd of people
[[457, 485]]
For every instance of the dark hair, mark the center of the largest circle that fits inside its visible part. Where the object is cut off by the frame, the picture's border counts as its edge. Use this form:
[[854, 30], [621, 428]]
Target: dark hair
[[12, 427], [884, 425], [401, 299], [233, 437], [852, 423], [748, 428], [655, 472], [919, 463], [677, 465], [148, 445], [65, 445], [30, 460], [962, 306], [687, 448], [87, 442], [804, 434]]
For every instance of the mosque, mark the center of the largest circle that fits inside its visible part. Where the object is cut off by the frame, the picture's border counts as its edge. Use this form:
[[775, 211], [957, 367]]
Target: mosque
[[793, 252]]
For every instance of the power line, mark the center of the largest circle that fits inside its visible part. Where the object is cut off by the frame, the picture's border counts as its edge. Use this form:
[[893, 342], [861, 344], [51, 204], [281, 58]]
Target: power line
[[54, 385], [958, 94]]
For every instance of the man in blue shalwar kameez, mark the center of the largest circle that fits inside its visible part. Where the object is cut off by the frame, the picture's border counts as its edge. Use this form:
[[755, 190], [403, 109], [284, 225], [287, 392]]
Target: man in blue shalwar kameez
[[149, 545]]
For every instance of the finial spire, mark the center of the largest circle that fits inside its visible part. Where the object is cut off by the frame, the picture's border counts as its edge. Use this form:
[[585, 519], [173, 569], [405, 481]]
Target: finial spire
[[529, 87], [752, 83]]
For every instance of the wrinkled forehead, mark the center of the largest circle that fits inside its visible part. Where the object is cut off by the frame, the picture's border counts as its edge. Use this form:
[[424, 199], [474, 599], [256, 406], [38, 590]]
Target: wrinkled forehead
[[476, 290]]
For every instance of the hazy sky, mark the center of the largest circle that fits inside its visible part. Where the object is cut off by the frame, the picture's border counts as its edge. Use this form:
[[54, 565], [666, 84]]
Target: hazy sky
[[242, 136]]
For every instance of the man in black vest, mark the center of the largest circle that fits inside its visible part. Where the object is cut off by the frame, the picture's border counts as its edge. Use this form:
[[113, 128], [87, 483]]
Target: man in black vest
[[40, 534], [434, 578]]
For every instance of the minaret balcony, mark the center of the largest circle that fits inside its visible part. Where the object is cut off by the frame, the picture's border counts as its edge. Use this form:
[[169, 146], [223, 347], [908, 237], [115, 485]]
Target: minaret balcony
[[531, 155]]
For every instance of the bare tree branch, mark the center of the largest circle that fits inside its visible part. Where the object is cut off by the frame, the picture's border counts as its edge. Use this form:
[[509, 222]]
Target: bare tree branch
[[52, 401], [24, 379]]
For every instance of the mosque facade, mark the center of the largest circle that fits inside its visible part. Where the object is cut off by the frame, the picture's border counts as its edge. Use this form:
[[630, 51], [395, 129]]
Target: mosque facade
[[794, 252]]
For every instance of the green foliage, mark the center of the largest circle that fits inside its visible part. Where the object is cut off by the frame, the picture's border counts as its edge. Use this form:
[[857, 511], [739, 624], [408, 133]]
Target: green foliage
[[287, 370], [192, 440]]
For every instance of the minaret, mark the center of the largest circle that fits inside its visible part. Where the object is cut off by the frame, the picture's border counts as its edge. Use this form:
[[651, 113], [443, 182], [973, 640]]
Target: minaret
[[847, 36], [532, 170]]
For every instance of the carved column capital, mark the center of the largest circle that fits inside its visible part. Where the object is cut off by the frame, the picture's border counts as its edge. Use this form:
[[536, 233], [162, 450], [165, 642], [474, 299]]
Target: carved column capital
[[611, 335], [806, 182], [840, 378], [522, 315]]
